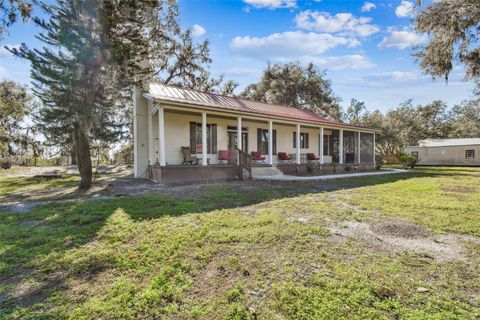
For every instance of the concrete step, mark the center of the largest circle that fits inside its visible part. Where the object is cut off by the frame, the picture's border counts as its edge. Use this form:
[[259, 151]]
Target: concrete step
[[266, 171]]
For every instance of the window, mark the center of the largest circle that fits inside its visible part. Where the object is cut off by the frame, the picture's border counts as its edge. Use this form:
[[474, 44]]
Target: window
[[196, 138], [303, 140], [469, 154], [327, 148], [262, 141], [414, 154]]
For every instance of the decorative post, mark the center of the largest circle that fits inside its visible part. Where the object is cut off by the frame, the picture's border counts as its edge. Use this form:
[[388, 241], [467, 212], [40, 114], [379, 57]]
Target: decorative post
[[298, 144], [322, 161], [239, 133], [239, 138], [270, 142], [161, 135], [150, 132], [340, 148], [204, 139]]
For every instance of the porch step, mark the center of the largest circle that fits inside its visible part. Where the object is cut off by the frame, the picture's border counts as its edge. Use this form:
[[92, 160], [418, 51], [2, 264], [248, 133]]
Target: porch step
[[266, 171]]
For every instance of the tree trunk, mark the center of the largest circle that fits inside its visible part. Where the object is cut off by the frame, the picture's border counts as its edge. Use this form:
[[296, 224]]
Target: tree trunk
[[83, 156], [73, 156]]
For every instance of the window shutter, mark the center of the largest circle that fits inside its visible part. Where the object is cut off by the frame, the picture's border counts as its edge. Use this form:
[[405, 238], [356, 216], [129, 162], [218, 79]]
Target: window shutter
[[274, 142], [294, 139], [193, 137], [214, 139], [306, 140]]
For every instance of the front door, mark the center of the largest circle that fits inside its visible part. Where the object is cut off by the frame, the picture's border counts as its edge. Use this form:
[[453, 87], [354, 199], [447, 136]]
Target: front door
[[232, 141]]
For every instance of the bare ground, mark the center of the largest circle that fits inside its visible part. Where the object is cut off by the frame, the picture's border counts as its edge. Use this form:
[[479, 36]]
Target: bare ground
[[401, 236]]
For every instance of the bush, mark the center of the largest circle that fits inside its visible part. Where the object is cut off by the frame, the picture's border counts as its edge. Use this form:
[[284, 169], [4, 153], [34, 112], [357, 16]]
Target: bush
[[379, 162], [407, 161], [348, 168], [6, 164], [310, 168]]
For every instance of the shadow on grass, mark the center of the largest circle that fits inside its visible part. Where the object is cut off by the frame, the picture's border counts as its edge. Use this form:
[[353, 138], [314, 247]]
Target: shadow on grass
[[30, 242]]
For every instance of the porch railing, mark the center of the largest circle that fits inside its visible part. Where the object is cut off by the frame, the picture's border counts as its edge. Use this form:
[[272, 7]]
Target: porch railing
[[244, 164]]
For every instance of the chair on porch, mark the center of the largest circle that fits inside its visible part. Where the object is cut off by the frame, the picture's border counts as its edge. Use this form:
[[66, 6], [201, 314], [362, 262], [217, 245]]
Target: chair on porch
[[257, 156], [283, 156], [311, 157], [187, 156], [225, 155]]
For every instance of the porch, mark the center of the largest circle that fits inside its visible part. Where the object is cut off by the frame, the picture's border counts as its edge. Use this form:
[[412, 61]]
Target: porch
[[180, 143]]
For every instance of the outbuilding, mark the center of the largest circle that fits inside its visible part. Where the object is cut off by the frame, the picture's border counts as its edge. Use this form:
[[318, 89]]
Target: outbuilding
[[447, 152]]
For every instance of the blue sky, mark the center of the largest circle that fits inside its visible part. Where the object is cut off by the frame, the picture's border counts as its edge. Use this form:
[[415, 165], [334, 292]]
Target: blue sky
[[364, 46]]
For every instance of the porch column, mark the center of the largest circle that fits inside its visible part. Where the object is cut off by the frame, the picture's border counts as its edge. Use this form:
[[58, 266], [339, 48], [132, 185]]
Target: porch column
[[298, 143], [161, 135], [151, 154], [340, 147], [270, 142], [321, 146], [374, 160], [204, 139], [358, 147], [239, 133]]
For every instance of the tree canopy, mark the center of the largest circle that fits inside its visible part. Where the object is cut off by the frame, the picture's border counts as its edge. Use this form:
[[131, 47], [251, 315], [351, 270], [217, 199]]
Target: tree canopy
[[453, 28], [296, 86], [15, 105]]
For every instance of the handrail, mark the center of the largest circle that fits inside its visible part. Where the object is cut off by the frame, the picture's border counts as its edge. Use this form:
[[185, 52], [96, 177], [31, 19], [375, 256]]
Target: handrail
[[244, 162]]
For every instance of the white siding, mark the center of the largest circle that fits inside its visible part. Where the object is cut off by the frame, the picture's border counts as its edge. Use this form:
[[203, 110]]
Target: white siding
[[446, 155], [177, 134]]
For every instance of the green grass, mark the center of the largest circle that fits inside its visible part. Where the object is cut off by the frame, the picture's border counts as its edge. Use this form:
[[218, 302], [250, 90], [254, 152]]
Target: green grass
[[12, 185], [259, 252]]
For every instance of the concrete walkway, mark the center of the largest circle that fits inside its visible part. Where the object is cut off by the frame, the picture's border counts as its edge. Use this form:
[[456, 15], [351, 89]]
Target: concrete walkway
[[330, 176]]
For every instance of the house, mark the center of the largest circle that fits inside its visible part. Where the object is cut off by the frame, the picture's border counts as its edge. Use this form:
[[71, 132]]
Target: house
[[206, 125], [447, 152]]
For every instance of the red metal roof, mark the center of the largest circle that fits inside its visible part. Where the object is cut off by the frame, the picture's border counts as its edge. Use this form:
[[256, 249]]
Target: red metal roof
[[192, 97]]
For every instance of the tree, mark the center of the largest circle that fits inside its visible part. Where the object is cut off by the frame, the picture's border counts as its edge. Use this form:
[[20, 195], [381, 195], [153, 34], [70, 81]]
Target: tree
[[453, 27], [12, 10], [465, 120], [15, 105], [95, 50], [355, 110], [177, 59], [296, 86]]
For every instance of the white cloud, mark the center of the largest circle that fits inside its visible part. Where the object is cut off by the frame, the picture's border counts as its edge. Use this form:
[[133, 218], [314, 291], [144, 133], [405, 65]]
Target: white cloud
[[342, 23], [198, 30], [288, 45], [402, 39], [393, 76], [405, 9], [272, 4], [5, 53], [367, 6], [354, 61]]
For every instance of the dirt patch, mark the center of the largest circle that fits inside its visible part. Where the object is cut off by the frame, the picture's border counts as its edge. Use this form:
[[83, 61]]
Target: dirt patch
[[459, 189], [400, 229], [439, 247]]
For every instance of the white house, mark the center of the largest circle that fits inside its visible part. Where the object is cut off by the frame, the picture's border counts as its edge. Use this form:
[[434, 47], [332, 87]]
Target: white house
[[448, 152], [167, 118]]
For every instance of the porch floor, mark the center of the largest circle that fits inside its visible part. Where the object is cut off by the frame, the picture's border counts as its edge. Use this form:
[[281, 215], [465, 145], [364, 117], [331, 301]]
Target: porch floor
[[328, 177]]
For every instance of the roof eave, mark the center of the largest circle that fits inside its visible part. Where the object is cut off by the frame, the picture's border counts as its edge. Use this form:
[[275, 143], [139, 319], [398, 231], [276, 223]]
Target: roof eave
[[259, 114]]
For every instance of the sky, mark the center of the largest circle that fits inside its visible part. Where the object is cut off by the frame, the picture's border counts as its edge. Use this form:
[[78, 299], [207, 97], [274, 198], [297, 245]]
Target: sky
[[364, 46]]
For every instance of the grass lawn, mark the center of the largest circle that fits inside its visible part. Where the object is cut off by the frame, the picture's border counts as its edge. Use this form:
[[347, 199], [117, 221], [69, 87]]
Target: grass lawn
[[404, 246]]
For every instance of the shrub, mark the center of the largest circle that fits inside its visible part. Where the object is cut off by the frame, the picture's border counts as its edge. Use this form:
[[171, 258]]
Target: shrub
[[310, 168], [348, 168], [6, 164], [407, 161]]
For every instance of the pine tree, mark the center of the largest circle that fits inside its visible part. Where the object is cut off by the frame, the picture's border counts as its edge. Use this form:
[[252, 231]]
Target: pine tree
[[94, 54]]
